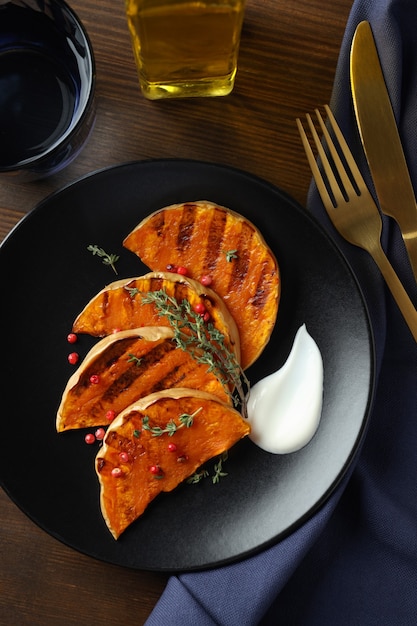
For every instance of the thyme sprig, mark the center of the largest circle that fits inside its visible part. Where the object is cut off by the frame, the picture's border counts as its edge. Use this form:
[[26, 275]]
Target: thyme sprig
[[133, 291], [204, 473], [202, 340], [230, 255], [132, 358], [218, 468], [197, 477], [108, 259], [185, 420]]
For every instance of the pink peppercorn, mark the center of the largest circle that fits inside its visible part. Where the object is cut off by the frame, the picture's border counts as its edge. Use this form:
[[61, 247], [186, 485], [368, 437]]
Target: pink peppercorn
[[199, 308], [110, 415], [116, 472], [100, 432], [73, 358], [94, 379], [206, 280], [89, 438], [72, 338]]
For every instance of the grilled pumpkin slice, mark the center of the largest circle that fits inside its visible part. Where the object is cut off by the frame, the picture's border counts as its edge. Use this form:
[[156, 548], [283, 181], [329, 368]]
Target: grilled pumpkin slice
[[212, 240], [134, 464], [119, 306], [126, 366]]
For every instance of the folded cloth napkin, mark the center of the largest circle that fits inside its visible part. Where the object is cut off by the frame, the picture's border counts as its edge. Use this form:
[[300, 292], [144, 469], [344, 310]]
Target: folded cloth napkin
[[355, 561]]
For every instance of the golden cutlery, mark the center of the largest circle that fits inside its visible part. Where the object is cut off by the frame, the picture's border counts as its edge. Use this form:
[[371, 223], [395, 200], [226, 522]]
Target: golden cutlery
[[352, 210], [380, 138]]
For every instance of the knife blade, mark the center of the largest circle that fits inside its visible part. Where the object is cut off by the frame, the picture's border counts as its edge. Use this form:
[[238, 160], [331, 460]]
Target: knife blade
[[380, 138]]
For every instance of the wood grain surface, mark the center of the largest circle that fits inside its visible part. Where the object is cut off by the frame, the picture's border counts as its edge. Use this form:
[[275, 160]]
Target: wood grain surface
[[287, 62]]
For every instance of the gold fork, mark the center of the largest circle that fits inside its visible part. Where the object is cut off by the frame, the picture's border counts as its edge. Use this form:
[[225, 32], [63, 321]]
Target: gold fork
[[353, 211]]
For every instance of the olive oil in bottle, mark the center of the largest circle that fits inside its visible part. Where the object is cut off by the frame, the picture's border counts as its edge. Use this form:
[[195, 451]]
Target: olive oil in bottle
[[185, 47]]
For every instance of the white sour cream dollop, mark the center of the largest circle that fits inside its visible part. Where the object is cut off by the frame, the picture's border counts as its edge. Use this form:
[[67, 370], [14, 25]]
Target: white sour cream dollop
[[284, 409]]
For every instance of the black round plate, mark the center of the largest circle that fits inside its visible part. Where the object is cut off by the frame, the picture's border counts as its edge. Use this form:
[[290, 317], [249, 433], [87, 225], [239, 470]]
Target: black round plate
[[48, 276]]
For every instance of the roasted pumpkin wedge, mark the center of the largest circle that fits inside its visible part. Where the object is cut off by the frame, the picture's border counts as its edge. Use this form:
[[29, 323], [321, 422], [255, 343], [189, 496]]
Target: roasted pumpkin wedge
[[211, 240], [124, 367], [120, 306], [155, 444]]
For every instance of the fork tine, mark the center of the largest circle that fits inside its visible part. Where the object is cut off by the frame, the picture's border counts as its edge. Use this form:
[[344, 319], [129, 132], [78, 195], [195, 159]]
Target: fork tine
[[340, 168], [344, 146], [325, 196], [328, 169], [338, 165]]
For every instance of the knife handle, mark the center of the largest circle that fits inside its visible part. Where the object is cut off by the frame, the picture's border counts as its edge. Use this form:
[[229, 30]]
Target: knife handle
[[397, 290]]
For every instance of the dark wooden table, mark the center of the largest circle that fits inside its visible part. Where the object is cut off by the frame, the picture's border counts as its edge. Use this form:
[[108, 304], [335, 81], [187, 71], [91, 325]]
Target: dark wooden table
[[287, 63]]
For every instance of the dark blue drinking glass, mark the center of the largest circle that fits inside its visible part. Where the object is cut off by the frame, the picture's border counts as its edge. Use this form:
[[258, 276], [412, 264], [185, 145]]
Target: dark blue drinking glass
[[47, 82]]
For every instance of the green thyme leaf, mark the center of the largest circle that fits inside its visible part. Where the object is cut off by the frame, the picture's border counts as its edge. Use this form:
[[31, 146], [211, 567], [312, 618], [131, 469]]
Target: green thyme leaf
[[230, 255], [133, 291], [218, 469], [108, 259], [203, 341], [187, 420], [133, 359], [171, 427], [197, 477]]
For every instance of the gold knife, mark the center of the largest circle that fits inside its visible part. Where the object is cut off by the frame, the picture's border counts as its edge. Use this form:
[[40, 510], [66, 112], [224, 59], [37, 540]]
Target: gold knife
[[380, 138]]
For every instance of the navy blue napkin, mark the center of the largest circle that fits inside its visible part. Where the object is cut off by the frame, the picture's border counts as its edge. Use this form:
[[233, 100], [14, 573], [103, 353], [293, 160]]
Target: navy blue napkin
[[355, 561]]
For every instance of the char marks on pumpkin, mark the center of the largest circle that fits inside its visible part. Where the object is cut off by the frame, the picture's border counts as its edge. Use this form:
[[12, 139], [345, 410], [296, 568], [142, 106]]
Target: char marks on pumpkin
[[105, 302], [103, 362], [185, 230], [215, 240], [241, 264], [263, 288], [137, 368], [124, 444], [173, 378], [159, 223], [155, 284]]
